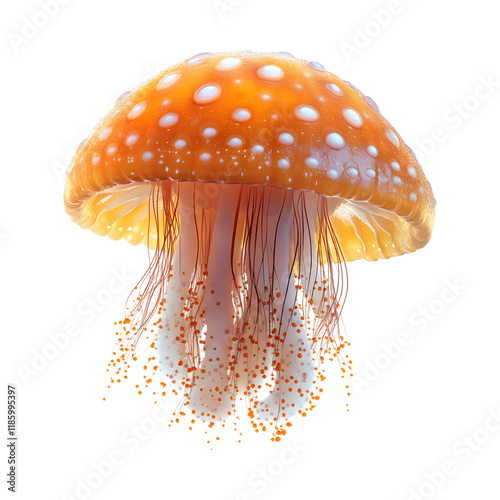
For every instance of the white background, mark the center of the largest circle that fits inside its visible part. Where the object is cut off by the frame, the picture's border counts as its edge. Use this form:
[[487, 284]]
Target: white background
[[423, 64]]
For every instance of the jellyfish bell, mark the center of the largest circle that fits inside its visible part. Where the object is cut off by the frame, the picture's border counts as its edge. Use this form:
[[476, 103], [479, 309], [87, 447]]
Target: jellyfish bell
[[252, 179]]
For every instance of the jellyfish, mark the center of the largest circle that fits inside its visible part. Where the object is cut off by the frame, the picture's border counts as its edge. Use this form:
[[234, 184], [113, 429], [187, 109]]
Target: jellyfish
[[252, 179]]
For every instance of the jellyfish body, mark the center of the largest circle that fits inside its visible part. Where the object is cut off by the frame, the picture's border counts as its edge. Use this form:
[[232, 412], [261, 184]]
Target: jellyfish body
[[252, 179]]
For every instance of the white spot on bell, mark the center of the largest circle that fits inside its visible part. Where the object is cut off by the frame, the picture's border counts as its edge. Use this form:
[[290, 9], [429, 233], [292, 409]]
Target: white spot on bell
[[412, 172], [392, 137], [306, 113], [122, 96], [207, 94], [241, 115], [335, 141], [137, 111], [258, 149], [168, 120], [147, 155], [209, 132], [271, 73], [332, 173], [228, 64], [371, 102], [395, 166], [235, 142], [131, 139], [195, 61], [372, 151], [312, 162], [283, 163], [316, 65], [179, 144], [352, 117], [334, 89], [205, 156], [286, 139], [105, 133], [352, 172], [168, 81]]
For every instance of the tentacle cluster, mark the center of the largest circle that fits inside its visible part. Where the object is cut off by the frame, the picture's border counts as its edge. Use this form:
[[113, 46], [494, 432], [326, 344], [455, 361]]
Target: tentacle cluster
[[248, 282]]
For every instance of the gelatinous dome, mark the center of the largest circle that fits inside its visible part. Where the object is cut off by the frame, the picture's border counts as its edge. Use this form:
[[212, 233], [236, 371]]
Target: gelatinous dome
[[259, 119]]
